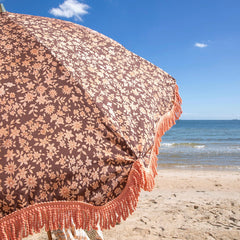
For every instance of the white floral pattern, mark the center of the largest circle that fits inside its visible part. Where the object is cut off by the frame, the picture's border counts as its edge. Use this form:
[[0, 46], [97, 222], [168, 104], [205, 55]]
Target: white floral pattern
[[76, 110]]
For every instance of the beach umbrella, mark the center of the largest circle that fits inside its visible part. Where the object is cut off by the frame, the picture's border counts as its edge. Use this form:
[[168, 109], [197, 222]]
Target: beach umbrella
[[81, 120]]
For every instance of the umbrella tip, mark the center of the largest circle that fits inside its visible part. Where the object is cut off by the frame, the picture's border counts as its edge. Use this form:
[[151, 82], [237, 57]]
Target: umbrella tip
[[2, 8]]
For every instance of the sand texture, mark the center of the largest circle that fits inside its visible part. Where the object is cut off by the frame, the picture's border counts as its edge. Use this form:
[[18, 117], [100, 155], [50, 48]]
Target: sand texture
[[185, 204]]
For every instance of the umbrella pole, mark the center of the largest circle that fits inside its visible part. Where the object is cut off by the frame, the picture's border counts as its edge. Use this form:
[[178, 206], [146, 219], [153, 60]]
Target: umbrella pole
[[2, 8], [49, 235]]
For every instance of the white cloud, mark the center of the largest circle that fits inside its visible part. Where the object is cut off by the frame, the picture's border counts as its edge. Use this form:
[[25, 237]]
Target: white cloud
[[70, 8], [200, 45]]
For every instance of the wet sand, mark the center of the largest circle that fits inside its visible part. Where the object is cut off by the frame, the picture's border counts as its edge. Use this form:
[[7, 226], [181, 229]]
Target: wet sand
[[185, 204]]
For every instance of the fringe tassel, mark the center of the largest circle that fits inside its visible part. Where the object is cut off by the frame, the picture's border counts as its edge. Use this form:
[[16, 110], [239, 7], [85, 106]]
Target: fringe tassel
[[53, 215], [164, 124]]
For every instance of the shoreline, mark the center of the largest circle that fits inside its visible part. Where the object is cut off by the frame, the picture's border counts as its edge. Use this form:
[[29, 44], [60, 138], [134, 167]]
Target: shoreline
[[199, 167]]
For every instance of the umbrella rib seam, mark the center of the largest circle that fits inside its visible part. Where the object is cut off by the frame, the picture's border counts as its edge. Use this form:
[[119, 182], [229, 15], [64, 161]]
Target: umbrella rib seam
[[79, 85]]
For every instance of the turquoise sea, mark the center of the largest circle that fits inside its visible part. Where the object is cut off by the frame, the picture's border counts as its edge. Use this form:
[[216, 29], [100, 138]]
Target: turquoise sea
[[201, 144]]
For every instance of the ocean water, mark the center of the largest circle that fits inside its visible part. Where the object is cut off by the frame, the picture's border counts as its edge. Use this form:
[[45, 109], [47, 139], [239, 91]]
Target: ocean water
[[201, 143]]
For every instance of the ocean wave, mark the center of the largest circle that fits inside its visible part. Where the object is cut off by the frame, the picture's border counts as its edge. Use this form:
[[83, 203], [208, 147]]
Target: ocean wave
[[199, 146], [217, 139], [183, 144], [236, 147]]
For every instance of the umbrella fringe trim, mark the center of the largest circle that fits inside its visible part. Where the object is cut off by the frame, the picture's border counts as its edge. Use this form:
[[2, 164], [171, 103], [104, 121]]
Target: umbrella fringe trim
[[164, 124], [55, 215]]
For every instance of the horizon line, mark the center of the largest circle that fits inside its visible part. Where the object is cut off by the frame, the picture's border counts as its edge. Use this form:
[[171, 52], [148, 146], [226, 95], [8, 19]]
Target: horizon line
[[234, 119]]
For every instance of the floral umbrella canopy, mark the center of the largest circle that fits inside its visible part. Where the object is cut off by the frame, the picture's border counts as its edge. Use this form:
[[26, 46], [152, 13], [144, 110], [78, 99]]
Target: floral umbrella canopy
[[81, 120]]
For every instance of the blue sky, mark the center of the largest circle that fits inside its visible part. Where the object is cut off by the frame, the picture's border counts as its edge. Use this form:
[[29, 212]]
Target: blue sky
[[196, 41]]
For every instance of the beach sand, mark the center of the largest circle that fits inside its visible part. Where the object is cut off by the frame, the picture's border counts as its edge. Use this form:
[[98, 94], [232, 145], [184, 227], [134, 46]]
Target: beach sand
[[185, 204]]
